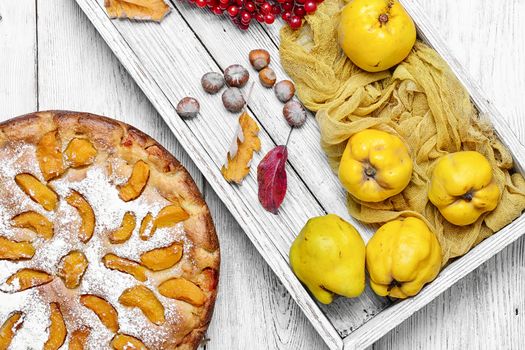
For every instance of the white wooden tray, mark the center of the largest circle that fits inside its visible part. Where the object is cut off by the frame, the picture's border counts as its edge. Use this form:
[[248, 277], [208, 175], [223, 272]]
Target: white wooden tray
[[168, 59]]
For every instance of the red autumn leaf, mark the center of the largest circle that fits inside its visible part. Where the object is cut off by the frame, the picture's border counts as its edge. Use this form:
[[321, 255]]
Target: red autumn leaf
[[271, 177]]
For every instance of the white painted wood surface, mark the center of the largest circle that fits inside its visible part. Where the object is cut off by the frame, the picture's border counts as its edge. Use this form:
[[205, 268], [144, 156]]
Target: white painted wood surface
[[77, 71]]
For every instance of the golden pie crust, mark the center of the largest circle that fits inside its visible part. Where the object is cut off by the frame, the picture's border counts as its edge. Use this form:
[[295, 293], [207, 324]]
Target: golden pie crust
[[105, 240]]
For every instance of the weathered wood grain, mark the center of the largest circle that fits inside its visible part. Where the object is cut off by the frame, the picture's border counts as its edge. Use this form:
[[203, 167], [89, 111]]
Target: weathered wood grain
[[254, 310], [78, 72], [18, 55]]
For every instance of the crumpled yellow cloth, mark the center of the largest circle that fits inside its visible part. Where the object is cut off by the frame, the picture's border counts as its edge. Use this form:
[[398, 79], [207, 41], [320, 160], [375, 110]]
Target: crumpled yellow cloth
[[421, 101]]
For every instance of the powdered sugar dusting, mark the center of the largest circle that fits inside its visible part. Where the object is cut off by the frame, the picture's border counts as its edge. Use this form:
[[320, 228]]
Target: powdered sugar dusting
[[98, 185]]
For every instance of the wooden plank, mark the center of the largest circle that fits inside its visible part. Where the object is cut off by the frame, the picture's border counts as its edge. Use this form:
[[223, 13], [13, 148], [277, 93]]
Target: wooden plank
[[207, 159], [427, 32], [304, 152], [397, 313], [18, 45], [70, 79], [482, 311], [253, 310]]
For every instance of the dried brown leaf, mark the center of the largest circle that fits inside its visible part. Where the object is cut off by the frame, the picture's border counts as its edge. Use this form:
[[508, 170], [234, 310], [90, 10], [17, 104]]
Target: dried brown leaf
[[240, 155], [146, 10]]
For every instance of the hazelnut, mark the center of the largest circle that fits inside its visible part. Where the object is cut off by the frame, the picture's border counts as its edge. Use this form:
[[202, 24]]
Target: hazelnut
[[267, 77], [236, 75], [294, 113], [188, 107], [259, 59], [212, 82], [233, 99], [284, 90]]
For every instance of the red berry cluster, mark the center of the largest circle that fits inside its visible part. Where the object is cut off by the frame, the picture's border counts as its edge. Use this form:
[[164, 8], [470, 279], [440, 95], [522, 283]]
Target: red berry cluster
[[243, 12]]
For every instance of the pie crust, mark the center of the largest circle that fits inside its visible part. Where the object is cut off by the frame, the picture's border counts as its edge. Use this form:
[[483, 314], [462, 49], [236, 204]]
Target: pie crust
[[105, 240]]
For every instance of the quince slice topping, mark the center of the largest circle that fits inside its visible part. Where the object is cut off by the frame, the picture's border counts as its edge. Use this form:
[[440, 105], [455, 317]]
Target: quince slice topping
[[9, 328], [145, 231], [38, 192], [170, 216], [49, 156], [57, 329], [27, 278], [114, 262], [162, 258], [104, 310], [79, 339], [80, 152], [34, 221], [136, 182], [71, 268], [182, 289], [123, 233], [146, 301], [86, 213], [127, 342], [11, 250]]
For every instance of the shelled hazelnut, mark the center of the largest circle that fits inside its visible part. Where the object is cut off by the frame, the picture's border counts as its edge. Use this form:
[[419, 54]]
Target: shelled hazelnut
[[188, 107], [284, 90], [267, 77], [236, 75], [233, 99], [212, 82], [294, 113], [259, 59]]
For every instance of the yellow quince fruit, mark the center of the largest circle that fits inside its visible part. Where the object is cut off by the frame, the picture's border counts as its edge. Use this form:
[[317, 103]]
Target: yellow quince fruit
[[328, 256], [401, 257], [375, 166], [463, 187], [376, 34]]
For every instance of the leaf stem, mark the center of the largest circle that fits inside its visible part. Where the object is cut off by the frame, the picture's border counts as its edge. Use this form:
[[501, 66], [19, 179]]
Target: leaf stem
[[248, 97], [288, 138]]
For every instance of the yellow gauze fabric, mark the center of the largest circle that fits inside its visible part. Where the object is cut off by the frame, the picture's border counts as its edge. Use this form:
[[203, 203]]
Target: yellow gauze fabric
[[421, 101]]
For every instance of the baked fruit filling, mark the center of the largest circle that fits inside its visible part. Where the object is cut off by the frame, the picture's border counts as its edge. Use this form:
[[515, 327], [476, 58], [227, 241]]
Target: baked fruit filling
[[34, 221], [38, 192], [71, 268], [104, 243], [103, 309], [86, 213], [114, 262]]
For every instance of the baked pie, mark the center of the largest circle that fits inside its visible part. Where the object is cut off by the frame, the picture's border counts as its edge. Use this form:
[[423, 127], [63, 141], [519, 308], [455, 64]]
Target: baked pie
[[105, 240]]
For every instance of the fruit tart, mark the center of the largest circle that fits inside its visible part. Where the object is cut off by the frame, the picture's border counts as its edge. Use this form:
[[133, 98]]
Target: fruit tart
[[105, 240]]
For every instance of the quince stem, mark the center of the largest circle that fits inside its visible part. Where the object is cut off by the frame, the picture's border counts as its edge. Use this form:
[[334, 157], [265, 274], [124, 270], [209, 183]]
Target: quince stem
[[467, 196], [393, 284], [370, 171]]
